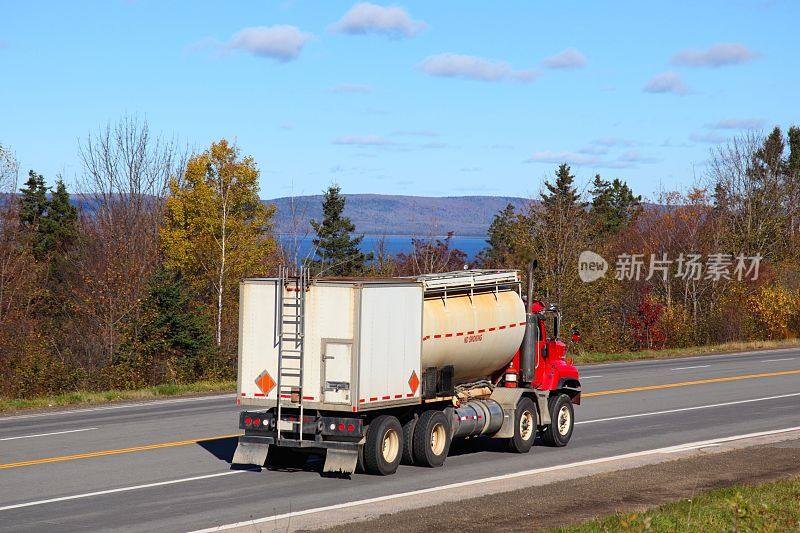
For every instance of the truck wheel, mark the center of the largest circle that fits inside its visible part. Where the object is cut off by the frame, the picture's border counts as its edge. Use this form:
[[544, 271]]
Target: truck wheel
[[524, 427], [562, 421], [383, 448], [408, 441], [431, 440]]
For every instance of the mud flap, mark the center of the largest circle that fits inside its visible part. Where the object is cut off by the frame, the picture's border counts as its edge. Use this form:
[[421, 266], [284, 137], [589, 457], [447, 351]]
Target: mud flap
[[340, 460], [250, 453]]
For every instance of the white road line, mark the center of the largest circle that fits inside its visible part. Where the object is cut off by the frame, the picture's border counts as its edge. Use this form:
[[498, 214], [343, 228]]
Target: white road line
[[776, 360], [122, 489], [590, 377], [670, 449], [690, 367], [694, 408], [48, 434], [14, 418]]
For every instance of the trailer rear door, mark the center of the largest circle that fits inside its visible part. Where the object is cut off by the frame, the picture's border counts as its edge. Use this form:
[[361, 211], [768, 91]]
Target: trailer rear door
[[337, 360]]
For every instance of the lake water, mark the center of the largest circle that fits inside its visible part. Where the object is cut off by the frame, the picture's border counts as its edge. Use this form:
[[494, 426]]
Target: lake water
[[399, 244]]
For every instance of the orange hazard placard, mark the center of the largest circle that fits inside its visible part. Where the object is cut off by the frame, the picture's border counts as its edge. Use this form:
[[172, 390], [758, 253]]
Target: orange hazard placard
[[265, 382], [413, 382]]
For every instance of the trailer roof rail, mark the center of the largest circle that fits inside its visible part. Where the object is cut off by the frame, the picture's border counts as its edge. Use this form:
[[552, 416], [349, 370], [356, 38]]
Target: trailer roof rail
[[467, 279]]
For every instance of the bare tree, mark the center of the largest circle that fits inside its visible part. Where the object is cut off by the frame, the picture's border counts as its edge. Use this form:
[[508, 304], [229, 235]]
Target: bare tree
[[747, 189], [125, 175], [299, 231], [16, 274], [9, 171]]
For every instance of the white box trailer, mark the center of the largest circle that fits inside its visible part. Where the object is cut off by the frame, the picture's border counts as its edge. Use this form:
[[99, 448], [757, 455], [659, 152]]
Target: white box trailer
[[361, 346], [384, 370]]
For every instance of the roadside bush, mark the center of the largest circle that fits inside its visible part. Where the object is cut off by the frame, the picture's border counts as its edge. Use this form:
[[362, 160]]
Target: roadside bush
[[675, 323], [774, 309]]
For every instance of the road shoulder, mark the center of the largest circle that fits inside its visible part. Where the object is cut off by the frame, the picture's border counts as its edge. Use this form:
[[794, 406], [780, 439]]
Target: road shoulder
[[572, 496]]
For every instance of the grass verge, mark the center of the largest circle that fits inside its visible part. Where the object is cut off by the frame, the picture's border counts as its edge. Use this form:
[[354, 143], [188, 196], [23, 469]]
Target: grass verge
[[88, 398], [730, 347], [769, 507]]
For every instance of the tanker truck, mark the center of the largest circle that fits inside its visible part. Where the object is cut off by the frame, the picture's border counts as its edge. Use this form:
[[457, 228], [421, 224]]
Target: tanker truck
[[372, 372]]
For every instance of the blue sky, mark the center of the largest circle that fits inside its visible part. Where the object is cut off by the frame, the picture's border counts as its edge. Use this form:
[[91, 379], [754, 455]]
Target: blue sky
[[431, 98]]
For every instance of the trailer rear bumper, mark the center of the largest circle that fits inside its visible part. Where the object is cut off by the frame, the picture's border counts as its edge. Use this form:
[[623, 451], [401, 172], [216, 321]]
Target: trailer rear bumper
[[338, 439]]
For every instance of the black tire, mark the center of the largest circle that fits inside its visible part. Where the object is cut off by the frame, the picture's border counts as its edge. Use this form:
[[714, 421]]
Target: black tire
[[562, 416], [383, 448], [524, 427], [432, 438], [408, 441]]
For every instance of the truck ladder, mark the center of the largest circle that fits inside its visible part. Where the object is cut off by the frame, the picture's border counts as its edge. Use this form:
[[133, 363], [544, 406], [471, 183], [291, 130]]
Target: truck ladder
[[291, 339]]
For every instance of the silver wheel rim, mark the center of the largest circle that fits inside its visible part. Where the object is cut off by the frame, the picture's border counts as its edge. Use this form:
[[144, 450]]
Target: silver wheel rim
[[564, 420], [391, 445], [526, 425], [438, 439]]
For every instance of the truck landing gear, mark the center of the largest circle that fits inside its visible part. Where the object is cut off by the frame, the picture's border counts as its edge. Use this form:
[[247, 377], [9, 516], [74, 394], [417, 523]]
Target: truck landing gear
[[562, 417], [524, 427]]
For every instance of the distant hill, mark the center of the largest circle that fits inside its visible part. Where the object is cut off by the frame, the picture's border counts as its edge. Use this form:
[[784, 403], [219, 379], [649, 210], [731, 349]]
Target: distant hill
[[379, 214]]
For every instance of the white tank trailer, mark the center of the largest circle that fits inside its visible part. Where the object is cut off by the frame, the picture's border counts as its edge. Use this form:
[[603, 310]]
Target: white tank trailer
[[320, 359]]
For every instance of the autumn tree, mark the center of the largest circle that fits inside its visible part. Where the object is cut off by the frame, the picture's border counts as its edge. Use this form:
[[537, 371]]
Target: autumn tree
[[431, 255], [337, 249], [216, 230]]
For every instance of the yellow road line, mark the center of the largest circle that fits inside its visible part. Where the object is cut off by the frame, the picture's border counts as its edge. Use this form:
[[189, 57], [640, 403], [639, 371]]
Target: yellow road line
[[689, 383], [195, 441], [102, 453]]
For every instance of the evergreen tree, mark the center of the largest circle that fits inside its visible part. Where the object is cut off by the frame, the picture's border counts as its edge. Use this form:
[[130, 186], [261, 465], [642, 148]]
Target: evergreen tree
[[53, 223], [337, 252], [169, 341], [794, 152], [34, 200], [501, 239], [58, 228], [613, 205], [563, 192]]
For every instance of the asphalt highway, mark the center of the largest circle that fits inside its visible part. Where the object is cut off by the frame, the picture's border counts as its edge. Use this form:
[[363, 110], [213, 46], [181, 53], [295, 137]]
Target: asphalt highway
[[164, 465]]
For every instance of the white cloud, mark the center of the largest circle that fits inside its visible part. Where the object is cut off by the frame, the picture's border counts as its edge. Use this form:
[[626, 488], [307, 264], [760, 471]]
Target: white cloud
[[364, 18], [433, 145], [350, 88], [666, 82], [633, 156], [473, 68], [363, 140], [716, 56], [737, 124], [612, 141], [416, 133], [593, 150], [566, 59], [708, 137], [282, 43], [557, 158], [591, 157]]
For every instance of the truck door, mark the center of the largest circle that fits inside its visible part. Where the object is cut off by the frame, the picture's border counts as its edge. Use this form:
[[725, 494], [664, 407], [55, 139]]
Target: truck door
[[336, 370]]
